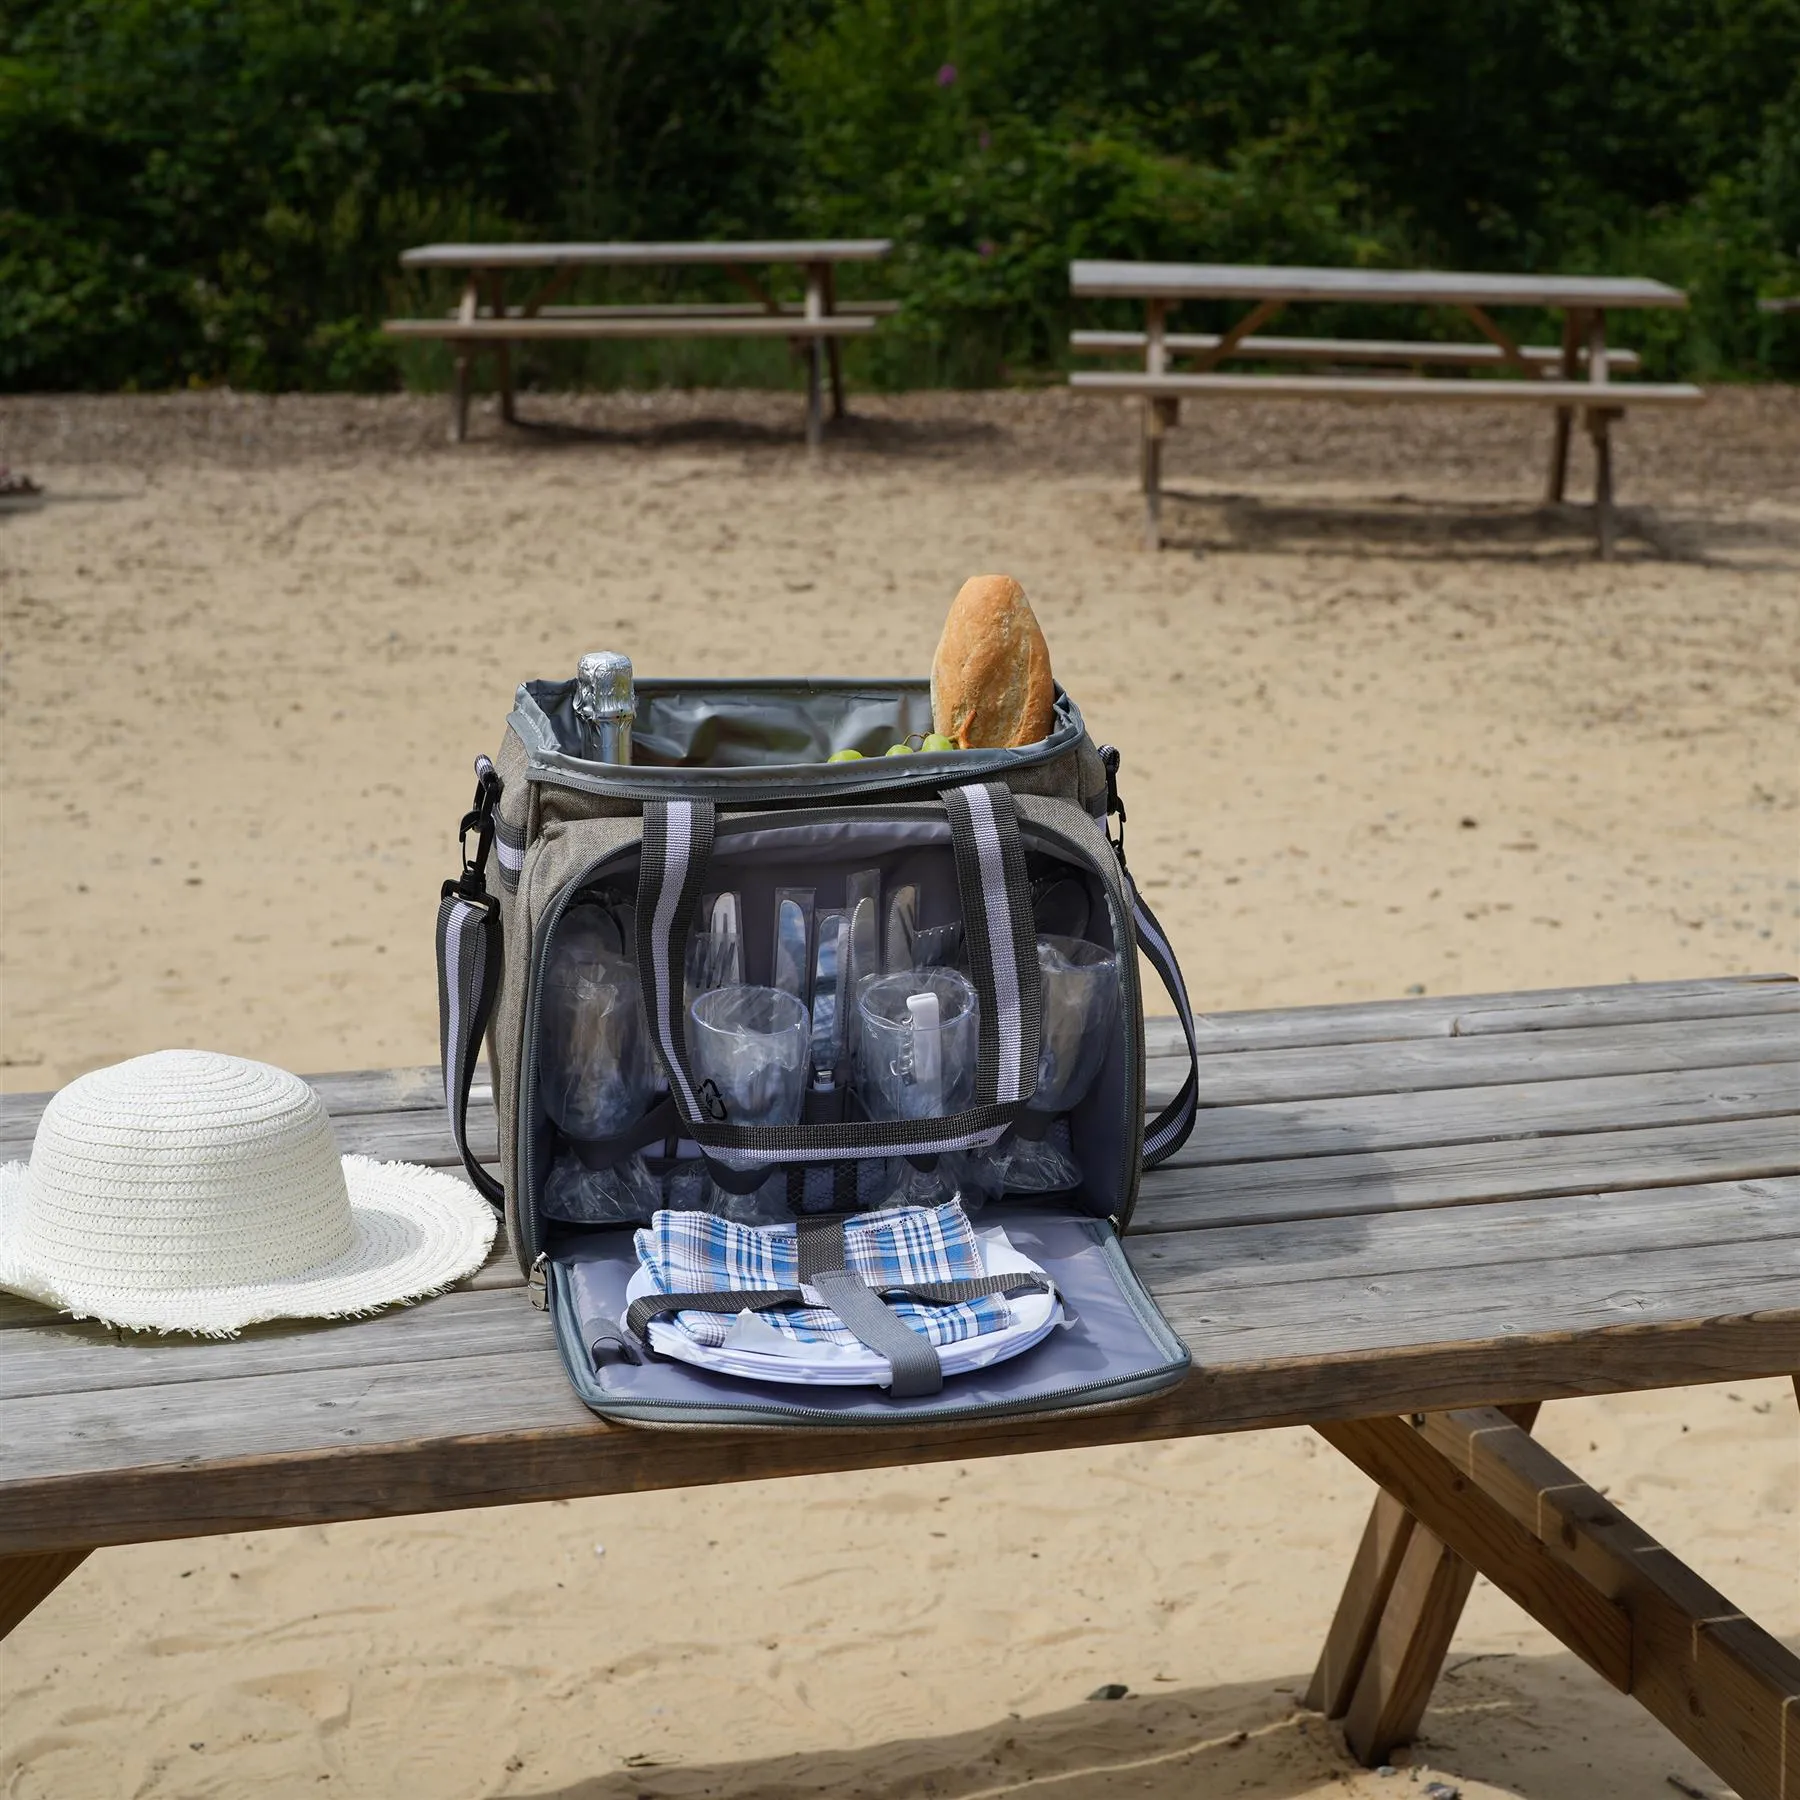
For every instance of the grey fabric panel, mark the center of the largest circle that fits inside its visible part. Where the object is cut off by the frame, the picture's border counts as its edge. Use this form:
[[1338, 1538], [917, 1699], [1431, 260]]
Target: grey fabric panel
[[1115, 1347], [912, 1362]]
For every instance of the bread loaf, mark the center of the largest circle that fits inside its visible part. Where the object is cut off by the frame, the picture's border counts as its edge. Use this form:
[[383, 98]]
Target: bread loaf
[[990, 679]]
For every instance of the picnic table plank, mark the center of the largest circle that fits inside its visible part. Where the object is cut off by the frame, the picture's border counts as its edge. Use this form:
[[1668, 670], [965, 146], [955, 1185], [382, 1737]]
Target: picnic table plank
[[1382, 1021], [1227, 1261], [578, 255], [509, 330], [1494, 1059], [1094, 279], [1289, 1129], [1384, 389], [1437, 352], [434, 1436], [1193, 1197]]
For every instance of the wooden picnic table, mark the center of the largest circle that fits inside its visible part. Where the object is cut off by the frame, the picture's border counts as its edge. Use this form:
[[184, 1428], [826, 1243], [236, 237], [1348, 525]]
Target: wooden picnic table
[[1405, 1224], [1577, 374], [483, 321]]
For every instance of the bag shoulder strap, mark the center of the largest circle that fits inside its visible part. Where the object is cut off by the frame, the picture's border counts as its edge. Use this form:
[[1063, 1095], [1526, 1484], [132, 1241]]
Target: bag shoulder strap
[[1168, 1131], [468, 961]]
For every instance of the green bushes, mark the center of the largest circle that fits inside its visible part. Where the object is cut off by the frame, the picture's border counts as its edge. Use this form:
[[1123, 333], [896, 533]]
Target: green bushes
[[217, 190]]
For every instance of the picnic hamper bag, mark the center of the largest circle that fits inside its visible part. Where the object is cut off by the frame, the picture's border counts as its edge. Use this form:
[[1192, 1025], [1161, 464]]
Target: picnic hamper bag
[[729, 788]]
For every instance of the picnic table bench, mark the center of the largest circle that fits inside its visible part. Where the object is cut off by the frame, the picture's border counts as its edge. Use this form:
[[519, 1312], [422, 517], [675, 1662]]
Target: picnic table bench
[[483, 322], [1577, 374], [1406, 1224]]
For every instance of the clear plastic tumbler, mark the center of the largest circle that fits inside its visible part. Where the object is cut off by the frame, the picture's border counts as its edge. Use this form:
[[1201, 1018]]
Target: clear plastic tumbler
[[748, 1046]]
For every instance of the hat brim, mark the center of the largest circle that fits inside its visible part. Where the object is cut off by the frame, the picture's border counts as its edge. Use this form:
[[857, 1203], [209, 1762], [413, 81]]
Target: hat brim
[[417, 1231]]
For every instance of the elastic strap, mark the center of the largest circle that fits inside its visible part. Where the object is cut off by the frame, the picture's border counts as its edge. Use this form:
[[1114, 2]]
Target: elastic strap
[[676, 848], [677, 844], [1168, 1131]]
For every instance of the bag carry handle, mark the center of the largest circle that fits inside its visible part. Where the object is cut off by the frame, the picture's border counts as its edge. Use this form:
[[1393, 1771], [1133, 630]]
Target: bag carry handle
[[468, 960], [1168, 1131], [998, 935]]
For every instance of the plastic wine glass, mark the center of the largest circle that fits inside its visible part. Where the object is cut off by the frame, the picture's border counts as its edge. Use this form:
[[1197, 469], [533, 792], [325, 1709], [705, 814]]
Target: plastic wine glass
[[1079, 982], [595, 1070]]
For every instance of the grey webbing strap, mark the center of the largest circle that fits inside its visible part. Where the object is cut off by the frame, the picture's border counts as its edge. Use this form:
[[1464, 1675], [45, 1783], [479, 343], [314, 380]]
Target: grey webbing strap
[[999, 936], [819, 1244], [468, 967], [914, 1368], [731, 1300], [969, 1287], [675, 850], [677, 845], [1168, 1131]]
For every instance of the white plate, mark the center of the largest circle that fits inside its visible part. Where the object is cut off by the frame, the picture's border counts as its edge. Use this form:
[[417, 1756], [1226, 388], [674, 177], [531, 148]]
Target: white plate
[[754, 1351]]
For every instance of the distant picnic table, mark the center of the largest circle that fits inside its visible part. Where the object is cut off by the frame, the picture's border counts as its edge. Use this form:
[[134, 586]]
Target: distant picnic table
[[1575, 374], [484, 321], [1406, 1224]]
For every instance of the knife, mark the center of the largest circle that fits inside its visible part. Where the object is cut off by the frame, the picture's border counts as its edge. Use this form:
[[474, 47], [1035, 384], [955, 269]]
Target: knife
[[790, 948], [829, 959], [865, 949], [727, 941], [902, 928]]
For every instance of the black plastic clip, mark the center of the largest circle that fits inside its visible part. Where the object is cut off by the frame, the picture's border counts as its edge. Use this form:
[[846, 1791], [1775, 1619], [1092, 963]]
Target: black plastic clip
[[1115, 807], [471, 884]]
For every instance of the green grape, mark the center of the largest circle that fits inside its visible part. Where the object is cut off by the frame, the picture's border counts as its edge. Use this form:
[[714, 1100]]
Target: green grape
[[900, 749], [845, 756], [937, 741]]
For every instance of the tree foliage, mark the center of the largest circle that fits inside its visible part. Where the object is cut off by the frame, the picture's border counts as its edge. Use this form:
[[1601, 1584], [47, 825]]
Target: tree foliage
[[217, 190]]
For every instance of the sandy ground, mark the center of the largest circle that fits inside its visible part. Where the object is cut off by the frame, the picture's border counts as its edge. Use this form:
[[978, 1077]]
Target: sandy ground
[[1387, 728]]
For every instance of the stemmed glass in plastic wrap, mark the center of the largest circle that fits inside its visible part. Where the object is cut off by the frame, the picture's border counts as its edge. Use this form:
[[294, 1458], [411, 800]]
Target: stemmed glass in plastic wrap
[[596, 1072], [1080, 987]]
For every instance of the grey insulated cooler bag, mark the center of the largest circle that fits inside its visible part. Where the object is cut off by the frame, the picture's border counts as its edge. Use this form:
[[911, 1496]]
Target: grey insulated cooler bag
[[729, 789]]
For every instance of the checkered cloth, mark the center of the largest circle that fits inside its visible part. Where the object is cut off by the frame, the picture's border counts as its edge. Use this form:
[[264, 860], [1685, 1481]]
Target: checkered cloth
[[697, 1252]]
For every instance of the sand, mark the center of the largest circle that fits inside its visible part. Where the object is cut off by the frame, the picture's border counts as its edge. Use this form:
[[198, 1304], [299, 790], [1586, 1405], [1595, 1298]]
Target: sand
[[1387, 727]]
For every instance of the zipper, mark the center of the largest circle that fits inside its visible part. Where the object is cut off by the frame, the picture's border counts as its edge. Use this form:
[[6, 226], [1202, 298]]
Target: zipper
[[761, 789], [537, 1283], [1130, 995]]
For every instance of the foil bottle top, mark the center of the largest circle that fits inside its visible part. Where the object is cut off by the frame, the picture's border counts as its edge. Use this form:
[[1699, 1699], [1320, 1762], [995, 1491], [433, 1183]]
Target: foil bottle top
[[603, 688]]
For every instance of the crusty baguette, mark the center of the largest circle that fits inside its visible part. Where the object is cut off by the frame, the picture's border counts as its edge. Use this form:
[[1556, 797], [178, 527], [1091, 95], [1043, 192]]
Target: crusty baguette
[[990, 679]]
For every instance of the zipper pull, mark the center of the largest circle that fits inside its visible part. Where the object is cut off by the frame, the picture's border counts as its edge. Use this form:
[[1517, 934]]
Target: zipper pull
[[537, 1283]]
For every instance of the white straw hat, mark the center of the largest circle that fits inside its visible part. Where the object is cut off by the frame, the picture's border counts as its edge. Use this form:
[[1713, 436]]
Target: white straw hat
[[187, 1191]]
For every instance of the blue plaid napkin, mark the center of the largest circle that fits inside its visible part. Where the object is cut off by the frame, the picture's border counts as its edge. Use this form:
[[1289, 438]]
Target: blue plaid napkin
[[697, 1252]]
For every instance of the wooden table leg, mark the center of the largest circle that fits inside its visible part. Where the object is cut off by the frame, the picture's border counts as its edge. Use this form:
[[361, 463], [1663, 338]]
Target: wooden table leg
[[1393, 1626], [502, 351], [462, 354], [1631, 1610], [1155, 363], [833, 349], [25, 1580], [1565, 415], [815, 309], [1599, 426]]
